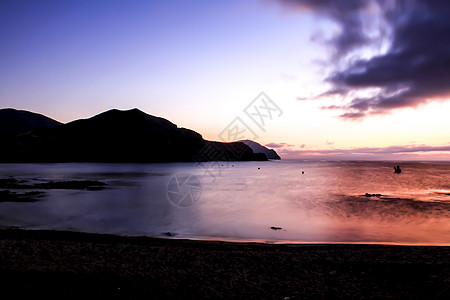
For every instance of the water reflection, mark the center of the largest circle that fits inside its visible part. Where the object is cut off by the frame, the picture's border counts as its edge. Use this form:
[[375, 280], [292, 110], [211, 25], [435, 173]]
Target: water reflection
[[325, 204]]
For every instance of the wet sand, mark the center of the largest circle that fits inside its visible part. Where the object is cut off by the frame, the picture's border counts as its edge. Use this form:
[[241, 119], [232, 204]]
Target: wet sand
[[60, 264]]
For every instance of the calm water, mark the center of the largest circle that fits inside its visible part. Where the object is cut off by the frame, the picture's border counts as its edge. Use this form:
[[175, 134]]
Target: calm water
[[238, 201]]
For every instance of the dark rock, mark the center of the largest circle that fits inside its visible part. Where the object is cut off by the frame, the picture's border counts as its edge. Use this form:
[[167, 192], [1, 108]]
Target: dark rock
[[12, 183], [5, 196], [8, 196], [372, 195], [72, 185], [258, 148]]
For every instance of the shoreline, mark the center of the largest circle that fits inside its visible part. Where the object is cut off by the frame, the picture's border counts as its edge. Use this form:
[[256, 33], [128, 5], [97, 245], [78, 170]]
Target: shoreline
[[64, 264], [61, 233], [295, 242]]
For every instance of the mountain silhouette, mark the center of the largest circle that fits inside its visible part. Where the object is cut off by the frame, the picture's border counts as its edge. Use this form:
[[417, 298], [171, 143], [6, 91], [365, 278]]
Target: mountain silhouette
[[13, 122], [258, 148], [120, 136]]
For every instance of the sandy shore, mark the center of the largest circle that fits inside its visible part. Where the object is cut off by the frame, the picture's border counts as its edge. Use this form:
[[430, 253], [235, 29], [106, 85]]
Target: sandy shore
[[57, 264]]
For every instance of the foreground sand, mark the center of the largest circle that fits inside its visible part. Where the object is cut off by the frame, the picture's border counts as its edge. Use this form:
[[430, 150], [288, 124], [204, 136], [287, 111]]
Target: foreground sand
[[86, 266]]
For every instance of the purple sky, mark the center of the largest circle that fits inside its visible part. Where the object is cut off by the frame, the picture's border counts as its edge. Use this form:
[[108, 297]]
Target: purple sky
[[353, 78]]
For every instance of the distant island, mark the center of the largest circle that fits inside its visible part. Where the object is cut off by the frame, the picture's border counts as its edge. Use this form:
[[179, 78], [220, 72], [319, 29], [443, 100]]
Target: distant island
[[114, 136]]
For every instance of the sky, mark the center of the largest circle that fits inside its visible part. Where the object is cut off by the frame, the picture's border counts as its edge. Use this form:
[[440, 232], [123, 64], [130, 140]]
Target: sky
[[341, 79]]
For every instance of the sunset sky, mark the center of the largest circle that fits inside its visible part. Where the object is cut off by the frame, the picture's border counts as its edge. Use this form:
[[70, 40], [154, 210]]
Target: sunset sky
[[353, 79]]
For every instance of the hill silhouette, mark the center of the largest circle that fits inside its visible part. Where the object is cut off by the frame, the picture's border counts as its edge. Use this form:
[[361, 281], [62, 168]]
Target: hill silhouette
[[13, 122], [120, 136], [258, 148]]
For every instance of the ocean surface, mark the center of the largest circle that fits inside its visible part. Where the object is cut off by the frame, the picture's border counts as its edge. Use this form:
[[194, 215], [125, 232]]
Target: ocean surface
[[242, 201]]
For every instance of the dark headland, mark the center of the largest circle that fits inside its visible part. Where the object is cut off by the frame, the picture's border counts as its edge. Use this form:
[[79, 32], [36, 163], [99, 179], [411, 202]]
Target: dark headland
[[70, 265], [257, 148], [112, 136]]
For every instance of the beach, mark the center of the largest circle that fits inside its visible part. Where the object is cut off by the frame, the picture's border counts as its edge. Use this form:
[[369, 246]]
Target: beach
[[63, 264], [225, 149]]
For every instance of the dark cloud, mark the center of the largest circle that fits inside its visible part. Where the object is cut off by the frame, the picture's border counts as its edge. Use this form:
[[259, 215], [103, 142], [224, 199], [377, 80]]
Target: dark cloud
[[415, 68], [346, 13]]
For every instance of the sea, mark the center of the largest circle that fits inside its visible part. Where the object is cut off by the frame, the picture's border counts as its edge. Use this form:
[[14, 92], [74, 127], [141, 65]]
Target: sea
[[278, 201]]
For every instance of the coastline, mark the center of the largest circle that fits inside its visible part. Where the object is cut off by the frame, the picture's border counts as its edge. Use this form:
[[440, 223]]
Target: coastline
[[62, 264]]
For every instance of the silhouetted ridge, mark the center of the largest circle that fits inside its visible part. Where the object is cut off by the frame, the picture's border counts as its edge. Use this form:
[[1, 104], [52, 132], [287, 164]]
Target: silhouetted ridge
[[120, 136], [13, 122]]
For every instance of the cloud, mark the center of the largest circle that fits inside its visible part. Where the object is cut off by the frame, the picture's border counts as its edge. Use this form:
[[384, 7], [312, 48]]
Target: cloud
[[387, 150], [286, 76], [302, 98], [398, 152], [347, 13], [278, 145], [328, 142], [413, 70]]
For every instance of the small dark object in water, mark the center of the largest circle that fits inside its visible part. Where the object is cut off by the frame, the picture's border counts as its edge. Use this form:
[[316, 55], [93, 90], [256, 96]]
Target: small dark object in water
[[168, 233], [232, 166], [275, 228], [397, 170], [372, 195], [259, 168], [303, 172]]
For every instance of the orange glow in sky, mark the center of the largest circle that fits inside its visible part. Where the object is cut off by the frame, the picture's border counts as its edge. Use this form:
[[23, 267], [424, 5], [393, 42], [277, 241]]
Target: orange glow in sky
[[199, 66]]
